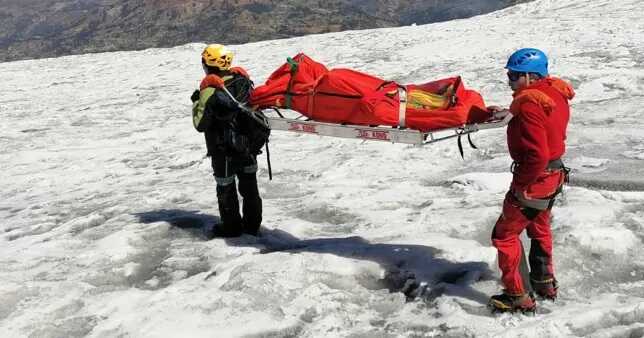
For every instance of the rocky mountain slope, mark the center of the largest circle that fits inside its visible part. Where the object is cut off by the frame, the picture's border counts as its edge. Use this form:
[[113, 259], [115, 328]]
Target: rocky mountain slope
[[47, 28]]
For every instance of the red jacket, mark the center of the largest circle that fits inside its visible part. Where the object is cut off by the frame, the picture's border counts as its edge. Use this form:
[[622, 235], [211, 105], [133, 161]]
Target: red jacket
[[537, 132]]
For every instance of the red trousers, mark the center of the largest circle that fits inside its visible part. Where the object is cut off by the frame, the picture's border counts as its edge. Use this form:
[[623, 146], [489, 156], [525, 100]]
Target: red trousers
[[505, 237]]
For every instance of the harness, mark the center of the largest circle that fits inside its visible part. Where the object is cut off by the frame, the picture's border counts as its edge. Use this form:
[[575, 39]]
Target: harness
[[544, 203]]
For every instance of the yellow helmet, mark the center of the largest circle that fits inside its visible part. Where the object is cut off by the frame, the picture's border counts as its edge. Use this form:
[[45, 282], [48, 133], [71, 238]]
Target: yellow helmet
[[217, 56]]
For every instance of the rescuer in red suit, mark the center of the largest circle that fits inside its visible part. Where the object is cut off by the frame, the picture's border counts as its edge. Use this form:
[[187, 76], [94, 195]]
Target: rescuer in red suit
[[536, 142]]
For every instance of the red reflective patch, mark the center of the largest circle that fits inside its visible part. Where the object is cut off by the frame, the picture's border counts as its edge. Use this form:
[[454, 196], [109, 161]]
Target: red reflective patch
[[373, 135], [302, 128]]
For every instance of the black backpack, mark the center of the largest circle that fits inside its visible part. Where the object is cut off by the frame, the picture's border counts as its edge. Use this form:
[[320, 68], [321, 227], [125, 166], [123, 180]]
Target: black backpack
[[249, 129]]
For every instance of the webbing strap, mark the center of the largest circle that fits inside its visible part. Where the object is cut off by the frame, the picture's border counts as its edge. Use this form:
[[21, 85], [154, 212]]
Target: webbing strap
[[535, 203], [544, 281], [543, 203], [289, 96], [402, 109], [255, 115], [460, 144], [552, 165], [268, 162]]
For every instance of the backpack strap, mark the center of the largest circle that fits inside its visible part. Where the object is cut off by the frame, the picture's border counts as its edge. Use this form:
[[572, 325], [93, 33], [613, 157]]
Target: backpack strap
[[289, 95]]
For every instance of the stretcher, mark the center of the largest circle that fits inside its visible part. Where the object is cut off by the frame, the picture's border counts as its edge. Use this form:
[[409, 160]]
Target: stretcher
[[303, 125]]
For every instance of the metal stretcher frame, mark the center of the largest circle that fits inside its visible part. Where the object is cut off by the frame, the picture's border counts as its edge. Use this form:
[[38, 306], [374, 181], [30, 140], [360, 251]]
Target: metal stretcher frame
[[386, 134]]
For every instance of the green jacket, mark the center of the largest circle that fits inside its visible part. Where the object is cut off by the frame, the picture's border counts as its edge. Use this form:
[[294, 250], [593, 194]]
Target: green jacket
[[201, 116]]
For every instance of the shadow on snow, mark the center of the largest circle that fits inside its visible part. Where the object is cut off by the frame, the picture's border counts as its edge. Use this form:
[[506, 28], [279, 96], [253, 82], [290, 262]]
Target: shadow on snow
[[414, 270]]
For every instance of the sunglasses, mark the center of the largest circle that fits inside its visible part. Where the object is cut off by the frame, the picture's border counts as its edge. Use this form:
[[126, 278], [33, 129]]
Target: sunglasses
[[515, 76]]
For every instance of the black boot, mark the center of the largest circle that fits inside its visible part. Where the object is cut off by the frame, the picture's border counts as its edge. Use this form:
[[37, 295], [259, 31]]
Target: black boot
[[231, 222], [219, 230], [252, 203]]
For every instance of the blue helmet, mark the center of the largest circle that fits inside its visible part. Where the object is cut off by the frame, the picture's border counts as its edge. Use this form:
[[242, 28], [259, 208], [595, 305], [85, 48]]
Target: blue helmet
[[528, 60]]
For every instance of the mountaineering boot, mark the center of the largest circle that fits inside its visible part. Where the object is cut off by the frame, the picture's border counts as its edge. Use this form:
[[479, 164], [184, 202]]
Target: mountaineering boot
[[511, 303], [253, 231], [231, 221], [545, 288], [220, 230], [252, 203]]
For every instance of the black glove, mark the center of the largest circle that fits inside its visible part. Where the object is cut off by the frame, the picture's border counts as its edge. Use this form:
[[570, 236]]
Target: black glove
[[195, 96]]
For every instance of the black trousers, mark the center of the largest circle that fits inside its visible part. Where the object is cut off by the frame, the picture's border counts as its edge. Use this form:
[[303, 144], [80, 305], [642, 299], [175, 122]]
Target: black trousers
[[243, 167]]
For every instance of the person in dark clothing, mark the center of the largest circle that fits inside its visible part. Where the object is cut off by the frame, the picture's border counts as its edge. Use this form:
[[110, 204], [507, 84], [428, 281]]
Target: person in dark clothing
[[218, 116]]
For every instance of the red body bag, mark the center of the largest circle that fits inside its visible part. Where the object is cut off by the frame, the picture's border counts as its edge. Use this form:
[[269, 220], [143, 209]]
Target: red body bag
[[349, 97]]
